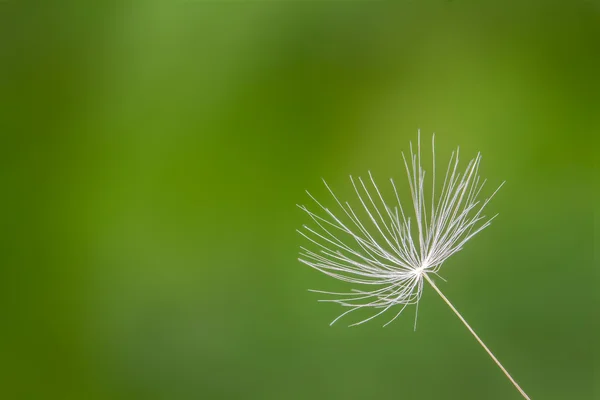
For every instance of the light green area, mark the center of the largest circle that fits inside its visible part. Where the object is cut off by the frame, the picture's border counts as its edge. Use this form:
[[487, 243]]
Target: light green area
[[153, 156]]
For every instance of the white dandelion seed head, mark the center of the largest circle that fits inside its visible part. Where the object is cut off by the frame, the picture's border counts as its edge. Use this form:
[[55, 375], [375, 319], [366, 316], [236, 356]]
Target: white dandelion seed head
[[390, 250]]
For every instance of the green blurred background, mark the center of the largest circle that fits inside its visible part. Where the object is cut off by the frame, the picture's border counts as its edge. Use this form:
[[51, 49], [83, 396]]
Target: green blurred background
[[153, 155]]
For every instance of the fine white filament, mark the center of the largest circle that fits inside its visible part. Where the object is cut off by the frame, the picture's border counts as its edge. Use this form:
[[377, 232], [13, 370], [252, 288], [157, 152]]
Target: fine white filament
[[395, 248]]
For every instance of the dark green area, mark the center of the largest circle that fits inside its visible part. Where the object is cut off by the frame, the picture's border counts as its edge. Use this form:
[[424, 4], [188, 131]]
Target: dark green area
[[152, 157]]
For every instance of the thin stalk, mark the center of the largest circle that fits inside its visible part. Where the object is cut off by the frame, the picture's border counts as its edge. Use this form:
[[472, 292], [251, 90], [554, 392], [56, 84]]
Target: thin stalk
[[477, 337]]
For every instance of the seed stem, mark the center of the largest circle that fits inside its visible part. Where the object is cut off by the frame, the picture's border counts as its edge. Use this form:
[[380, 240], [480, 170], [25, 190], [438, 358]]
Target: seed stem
[[476, 337]]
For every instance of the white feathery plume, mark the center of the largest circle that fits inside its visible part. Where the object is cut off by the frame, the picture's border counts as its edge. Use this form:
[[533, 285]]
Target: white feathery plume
[[389, 253]]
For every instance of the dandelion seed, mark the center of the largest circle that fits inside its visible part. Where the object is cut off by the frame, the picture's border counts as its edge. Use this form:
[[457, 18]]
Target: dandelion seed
[[393, 249]]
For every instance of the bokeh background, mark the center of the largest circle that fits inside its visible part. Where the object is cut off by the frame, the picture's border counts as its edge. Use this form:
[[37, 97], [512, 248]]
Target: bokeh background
[[153, 155]]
